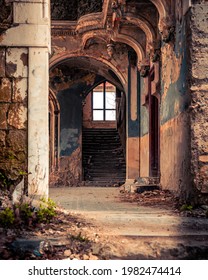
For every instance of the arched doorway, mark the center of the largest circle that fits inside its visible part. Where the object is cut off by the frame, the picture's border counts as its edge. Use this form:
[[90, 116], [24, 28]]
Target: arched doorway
[[54, 127], [73, 82]]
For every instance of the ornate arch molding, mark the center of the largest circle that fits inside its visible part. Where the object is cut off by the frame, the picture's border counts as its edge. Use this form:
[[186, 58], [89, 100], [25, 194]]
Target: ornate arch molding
[[132, 43], [54, 121], [143, 24], [119, 38], [166, 10], [66, 55], [53, 99], [93, 34], [162, 7]]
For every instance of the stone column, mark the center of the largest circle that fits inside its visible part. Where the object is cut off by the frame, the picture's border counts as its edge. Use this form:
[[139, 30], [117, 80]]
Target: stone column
[[30, 35], [132, 156], [38, 134]]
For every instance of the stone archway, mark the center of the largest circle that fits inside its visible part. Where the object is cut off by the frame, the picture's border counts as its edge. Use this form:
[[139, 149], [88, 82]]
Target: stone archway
[[70, 85]]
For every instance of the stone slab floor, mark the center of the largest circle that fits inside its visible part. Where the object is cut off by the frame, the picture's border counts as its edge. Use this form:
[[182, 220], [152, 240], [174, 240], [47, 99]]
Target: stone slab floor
[[103, 206], [138, 229]]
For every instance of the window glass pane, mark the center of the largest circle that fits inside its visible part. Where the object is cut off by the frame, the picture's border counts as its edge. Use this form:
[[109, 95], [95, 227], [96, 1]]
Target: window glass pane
[[110, 100], [110, 115], [97, 115], [98, 100]]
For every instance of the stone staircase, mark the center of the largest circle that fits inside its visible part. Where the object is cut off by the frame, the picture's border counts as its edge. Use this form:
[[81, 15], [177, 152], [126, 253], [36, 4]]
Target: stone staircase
[[103, 158]]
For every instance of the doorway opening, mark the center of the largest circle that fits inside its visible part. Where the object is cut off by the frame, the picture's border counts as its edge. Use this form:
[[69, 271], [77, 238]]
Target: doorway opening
[[88, 102], [153, 129], [103, 137]]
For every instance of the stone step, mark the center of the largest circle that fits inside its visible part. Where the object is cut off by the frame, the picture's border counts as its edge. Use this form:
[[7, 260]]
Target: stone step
[[103, 159]]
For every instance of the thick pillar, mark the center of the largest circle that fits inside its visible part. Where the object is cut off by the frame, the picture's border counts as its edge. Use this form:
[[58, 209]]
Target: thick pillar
[[132, 155], [38, 134], [29, 42]]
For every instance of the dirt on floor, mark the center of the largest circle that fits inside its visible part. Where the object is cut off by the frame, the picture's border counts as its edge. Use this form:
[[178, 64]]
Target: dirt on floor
[[72, 237], [166, 200]]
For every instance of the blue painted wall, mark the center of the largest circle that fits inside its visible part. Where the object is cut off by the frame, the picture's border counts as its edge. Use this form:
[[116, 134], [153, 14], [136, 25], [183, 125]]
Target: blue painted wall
[[70, 101], [177, 99], [133, 126]]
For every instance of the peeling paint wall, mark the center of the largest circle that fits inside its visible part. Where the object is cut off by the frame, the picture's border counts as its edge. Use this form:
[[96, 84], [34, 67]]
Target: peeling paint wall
[[70, 85], [70, 101], [24, 51], [13, 114], [174, 114]]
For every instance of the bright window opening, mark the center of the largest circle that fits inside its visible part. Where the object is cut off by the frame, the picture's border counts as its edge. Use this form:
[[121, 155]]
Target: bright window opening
[[104, 102]]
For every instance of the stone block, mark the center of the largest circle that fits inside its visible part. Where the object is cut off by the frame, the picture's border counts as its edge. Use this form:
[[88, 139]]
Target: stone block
[[203, 158], [29, 13], [29, 35], [2, 62], [16, 139], [17, 62], [17, 116], [3, 116], [5, 90], [19, 90], [2, 138]]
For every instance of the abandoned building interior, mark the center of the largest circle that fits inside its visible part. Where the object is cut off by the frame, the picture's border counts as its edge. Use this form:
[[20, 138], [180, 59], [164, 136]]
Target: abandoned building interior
[[104, 93]]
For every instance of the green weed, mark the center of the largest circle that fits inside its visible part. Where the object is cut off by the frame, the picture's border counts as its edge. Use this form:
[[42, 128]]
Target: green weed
[[7, 217], [186, 207]]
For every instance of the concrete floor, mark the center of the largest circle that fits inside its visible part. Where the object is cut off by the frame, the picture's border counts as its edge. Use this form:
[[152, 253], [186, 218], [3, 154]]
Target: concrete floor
[[103, 207]]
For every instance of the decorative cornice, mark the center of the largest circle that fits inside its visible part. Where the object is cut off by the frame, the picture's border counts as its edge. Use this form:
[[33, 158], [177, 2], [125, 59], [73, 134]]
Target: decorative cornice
[[89, 22], [63, 28], [63, 32]]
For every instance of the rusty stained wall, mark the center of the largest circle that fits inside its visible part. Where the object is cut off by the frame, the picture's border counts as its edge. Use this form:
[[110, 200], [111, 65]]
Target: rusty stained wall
[[199, 94], [174, 114], [13, 114]]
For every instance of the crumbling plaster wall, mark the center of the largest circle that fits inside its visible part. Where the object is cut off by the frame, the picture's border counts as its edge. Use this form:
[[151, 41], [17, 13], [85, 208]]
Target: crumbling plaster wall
[[184, 107], [69, 84], [199, 94], [13, 114], [24, 52], [174, 113]]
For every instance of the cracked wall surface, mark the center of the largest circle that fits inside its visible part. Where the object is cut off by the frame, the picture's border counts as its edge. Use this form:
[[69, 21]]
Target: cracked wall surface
[[174, 114], [199, 91], [13, 114], [24, 47]]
